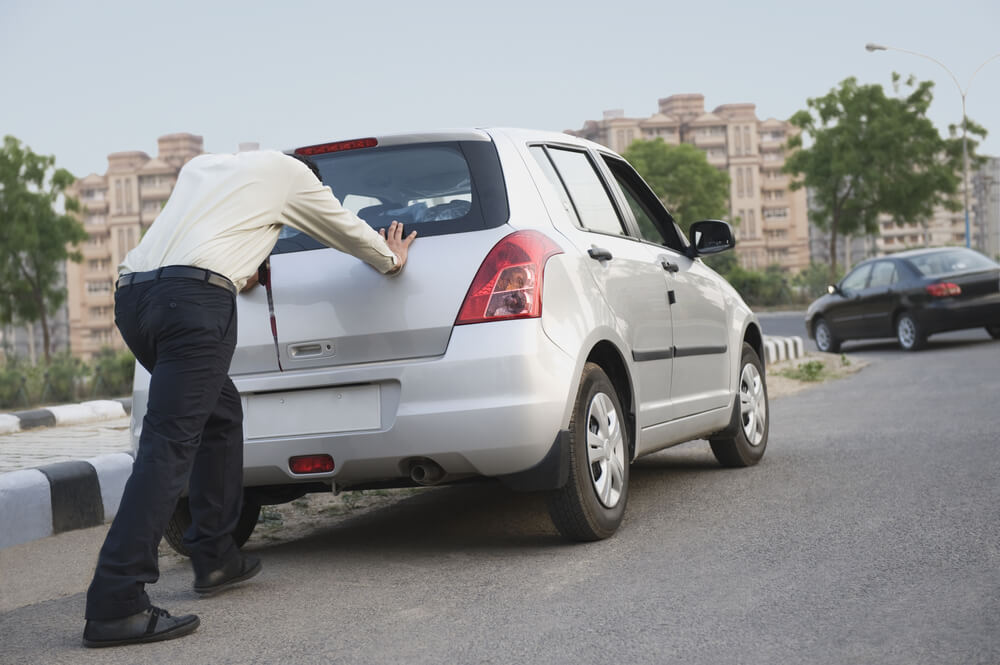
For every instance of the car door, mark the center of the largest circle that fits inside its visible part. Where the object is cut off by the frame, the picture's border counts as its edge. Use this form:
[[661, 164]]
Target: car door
[[846, 313], [699, 317], [878, 299], [626, 271]]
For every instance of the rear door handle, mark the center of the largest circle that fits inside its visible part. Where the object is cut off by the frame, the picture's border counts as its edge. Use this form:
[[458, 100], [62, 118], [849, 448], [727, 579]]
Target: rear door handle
[[669, 267], [599, 253]]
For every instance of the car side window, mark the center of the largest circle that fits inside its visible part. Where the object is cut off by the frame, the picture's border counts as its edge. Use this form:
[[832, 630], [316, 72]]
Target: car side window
[[654, 222], [883, 275], [593, 205], [538, 152], [857, 279]]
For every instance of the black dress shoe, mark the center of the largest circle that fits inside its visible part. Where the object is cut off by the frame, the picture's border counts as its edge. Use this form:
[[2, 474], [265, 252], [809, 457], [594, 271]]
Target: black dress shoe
[[150, 625], [237, 570]]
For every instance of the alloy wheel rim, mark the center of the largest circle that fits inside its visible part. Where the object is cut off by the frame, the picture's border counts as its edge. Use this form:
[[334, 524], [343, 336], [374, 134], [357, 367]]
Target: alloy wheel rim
[[753, 404], [605, 450], [907, 332], [822, 337]]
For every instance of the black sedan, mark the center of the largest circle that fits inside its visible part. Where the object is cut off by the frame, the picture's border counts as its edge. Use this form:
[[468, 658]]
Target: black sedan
[[909, 295]]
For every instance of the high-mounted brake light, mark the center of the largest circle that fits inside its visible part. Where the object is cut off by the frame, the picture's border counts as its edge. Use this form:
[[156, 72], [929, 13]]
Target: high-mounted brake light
[[336, 146], [509, 282], [943, 289], [311, 464]]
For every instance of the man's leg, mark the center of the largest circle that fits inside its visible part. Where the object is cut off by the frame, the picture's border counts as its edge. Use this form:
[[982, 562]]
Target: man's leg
[[215, 492], [188, 321]]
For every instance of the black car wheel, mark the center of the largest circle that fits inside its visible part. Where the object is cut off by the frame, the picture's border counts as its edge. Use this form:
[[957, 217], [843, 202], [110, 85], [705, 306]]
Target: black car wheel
[[591, 504], [743, 443], [909, 333], [825, 339], [994, 331], [181, 520]]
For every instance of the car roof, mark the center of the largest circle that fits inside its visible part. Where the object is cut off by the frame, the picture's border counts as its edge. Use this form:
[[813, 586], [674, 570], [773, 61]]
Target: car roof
[[470, 134], [921, 251]]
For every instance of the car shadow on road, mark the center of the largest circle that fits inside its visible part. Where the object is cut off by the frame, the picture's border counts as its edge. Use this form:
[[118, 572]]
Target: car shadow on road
[[937, 343], [484, 516]]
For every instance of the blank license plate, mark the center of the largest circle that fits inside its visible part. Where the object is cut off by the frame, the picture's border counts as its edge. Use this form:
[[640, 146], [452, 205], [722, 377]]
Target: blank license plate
[[322, 411]]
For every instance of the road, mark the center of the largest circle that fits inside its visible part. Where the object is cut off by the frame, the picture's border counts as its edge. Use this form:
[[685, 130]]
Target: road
[[869, 534]]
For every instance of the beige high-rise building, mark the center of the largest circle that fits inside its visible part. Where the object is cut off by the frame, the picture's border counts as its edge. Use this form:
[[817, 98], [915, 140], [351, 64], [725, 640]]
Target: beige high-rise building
[[116, 208], [773, 220]]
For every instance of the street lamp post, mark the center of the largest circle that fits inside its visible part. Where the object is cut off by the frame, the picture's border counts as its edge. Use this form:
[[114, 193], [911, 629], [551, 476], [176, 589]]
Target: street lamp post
[[963, 92]]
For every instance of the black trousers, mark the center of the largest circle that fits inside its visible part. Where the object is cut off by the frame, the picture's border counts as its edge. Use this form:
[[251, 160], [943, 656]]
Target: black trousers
[[184, 332]]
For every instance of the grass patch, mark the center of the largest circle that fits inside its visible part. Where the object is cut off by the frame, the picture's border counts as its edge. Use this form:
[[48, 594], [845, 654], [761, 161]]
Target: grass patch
[[813, 370]]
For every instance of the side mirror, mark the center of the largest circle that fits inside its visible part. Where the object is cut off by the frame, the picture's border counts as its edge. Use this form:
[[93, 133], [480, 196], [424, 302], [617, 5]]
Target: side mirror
[[833, 288], [710, 236]]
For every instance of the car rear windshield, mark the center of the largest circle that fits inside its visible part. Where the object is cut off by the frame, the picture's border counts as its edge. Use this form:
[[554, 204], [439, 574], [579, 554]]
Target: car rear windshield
[[433, 188], [950, 261]]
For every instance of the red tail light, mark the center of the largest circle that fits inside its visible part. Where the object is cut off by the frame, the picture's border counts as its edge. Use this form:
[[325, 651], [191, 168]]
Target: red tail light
[[509, 283], [942, 289], [336, 146], [311, 464]]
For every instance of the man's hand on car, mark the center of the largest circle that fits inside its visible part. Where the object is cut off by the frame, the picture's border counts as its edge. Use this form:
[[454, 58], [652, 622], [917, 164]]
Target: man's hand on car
[[400, 246]]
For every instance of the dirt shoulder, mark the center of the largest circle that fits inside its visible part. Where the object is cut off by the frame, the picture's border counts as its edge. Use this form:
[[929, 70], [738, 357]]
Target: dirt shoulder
[[814, 368]]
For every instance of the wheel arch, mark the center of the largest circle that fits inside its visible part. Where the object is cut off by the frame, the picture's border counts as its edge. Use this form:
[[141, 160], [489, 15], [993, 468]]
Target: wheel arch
[[609, 358], [755, 338]]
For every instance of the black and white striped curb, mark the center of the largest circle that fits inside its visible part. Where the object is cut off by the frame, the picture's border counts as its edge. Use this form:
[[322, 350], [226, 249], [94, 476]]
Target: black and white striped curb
[[778, 349], [51, 499], [67, 414]]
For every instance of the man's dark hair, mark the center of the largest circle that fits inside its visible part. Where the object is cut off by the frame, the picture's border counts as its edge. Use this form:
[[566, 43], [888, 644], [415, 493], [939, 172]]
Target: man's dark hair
[[308, 162]]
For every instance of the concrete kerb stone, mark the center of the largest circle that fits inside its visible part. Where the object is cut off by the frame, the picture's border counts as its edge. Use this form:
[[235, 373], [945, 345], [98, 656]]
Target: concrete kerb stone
[[66, 414], [778, 349], [35, 503]]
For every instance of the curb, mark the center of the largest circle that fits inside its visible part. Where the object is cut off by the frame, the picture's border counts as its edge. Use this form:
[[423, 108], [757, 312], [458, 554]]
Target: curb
[[66, 414], [51, 499], [778, 349]]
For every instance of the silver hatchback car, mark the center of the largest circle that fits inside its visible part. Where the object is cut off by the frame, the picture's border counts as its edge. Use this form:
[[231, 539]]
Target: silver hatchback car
[[552, 325]]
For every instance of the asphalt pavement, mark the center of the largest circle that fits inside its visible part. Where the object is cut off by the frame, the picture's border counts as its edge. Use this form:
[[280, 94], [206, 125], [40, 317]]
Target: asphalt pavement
[[869, 534]]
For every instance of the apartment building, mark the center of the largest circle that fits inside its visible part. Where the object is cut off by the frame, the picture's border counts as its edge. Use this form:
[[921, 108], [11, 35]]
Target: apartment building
[[773, 225], [947, 227], [116, 208]]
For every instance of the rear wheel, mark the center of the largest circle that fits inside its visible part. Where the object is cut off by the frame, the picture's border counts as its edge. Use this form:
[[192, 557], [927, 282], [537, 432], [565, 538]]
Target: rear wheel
[[825, 340], [994, 331], [743, 443], [910, 335], [181, 520], [591, 504]]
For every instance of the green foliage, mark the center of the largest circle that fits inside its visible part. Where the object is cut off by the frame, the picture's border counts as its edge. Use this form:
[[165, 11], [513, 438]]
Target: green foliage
[[682, 178], [113, 372], [34, 237], [65, 379], [872, 154], [812, 370], [812, 282]]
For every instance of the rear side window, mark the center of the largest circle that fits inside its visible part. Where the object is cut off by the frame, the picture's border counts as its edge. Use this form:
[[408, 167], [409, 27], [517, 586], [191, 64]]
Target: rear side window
[[590, 199], [949, 261], [432, 188]]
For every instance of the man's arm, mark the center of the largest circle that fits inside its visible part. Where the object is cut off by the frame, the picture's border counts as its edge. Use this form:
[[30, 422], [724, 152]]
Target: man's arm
[[312, 208]]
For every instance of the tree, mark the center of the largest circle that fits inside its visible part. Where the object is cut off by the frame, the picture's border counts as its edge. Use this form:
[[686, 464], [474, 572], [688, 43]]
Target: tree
[[872, 154], [682, 178], [35, 238]]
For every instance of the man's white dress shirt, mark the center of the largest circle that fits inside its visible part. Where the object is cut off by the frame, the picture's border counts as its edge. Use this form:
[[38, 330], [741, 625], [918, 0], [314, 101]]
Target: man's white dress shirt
[[226, 212]]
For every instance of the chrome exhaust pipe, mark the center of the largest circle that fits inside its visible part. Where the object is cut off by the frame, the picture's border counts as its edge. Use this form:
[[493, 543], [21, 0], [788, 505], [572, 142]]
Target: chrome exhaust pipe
[[426, 472]]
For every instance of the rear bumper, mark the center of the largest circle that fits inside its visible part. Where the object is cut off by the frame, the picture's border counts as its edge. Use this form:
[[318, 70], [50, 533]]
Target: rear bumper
[[954, 314], [492, 405]]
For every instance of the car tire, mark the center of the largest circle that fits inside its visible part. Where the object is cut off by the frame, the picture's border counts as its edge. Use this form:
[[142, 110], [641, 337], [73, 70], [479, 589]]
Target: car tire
[[909, 334], [825, 339], [994, 331], [591, 505], [181, 520], [743, 443]]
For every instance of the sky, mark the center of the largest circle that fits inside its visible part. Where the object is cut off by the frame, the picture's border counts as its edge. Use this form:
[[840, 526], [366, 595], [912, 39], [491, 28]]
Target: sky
[[80, 80]]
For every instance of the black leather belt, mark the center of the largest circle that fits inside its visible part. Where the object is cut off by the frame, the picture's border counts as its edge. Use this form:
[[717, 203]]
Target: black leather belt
[[184, 272]]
